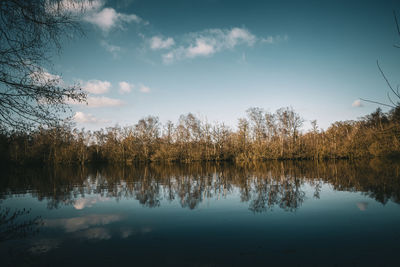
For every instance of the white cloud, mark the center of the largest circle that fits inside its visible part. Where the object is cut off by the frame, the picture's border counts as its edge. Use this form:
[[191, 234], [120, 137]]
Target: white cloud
[[43, 78], [125, 87], [144, 89], [73, 6], [168, 57], [81, 117], [237, 35], [209, 42], [200, 49], [357, 103], [97, 102], [113, 49], [107, 18], [97, 87], [103, 101], [157, 43], [94, 12], [275, 39]]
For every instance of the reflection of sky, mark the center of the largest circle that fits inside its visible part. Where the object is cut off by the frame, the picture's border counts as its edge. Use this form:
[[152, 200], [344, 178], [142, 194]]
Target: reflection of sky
[[362, 205], [44, 245], [87, 202], [78, 223], [223, 219]]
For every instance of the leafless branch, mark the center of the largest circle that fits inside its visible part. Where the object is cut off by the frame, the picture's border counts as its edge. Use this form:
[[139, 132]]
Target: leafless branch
[[376, 102], [30, 33]]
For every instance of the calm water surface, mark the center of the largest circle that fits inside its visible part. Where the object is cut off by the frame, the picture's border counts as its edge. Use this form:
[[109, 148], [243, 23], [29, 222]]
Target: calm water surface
[[275, 213]]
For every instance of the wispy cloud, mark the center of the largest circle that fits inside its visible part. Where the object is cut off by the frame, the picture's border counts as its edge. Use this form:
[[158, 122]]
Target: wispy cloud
[[157, 43], [113, 49], [108, 18], [201, 48], [144, 89], [274, 39], [209, 42], [76, 7], [97, 102], [103, 101], [94, 12], [357, 103], [42, 78], [125, 87], [97, 87]]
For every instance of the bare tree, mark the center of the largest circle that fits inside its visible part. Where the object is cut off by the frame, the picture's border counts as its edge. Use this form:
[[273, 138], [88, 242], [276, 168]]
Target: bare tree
[[258, 123], [30, 33], [394, 94]]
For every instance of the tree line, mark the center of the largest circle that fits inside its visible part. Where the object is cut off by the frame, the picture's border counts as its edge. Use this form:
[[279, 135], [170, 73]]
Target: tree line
[[261, 135]]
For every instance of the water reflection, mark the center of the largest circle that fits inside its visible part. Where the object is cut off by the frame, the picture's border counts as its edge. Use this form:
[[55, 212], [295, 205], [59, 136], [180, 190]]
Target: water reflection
[[16, 223], [264, 186], [81, 223], [282, 213]]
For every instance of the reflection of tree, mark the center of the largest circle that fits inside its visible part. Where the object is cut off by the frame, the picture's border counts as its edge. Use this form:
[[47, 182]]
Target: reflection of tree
[[13, 224], [148, 192], [284, 193], [264, 186]]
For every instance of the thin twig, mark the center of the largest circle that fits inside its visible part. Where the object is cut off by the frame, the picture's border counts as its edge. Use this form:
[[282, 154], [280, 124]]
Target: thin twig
[[386, 79], [379, 103]]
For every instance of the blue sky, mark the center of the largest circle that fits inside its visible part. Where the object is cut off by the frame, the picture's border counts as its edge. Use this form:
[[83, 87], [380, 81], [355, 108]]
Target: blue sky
[[217, 58]]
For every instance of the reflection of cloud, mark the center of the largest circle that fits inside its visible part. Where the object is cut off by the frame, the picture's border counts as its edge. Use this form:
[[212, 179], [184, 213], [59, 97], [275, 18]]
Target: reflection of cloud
[[43, 246], [362, 205], [96, 233], [101, 233], [126, 232], [80, 223], [82, 203], [146, 230]]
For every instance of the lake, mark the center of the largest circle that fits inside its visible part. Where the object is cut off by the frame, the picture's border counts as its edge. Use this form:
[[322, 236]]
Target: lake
[[301, 213]]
